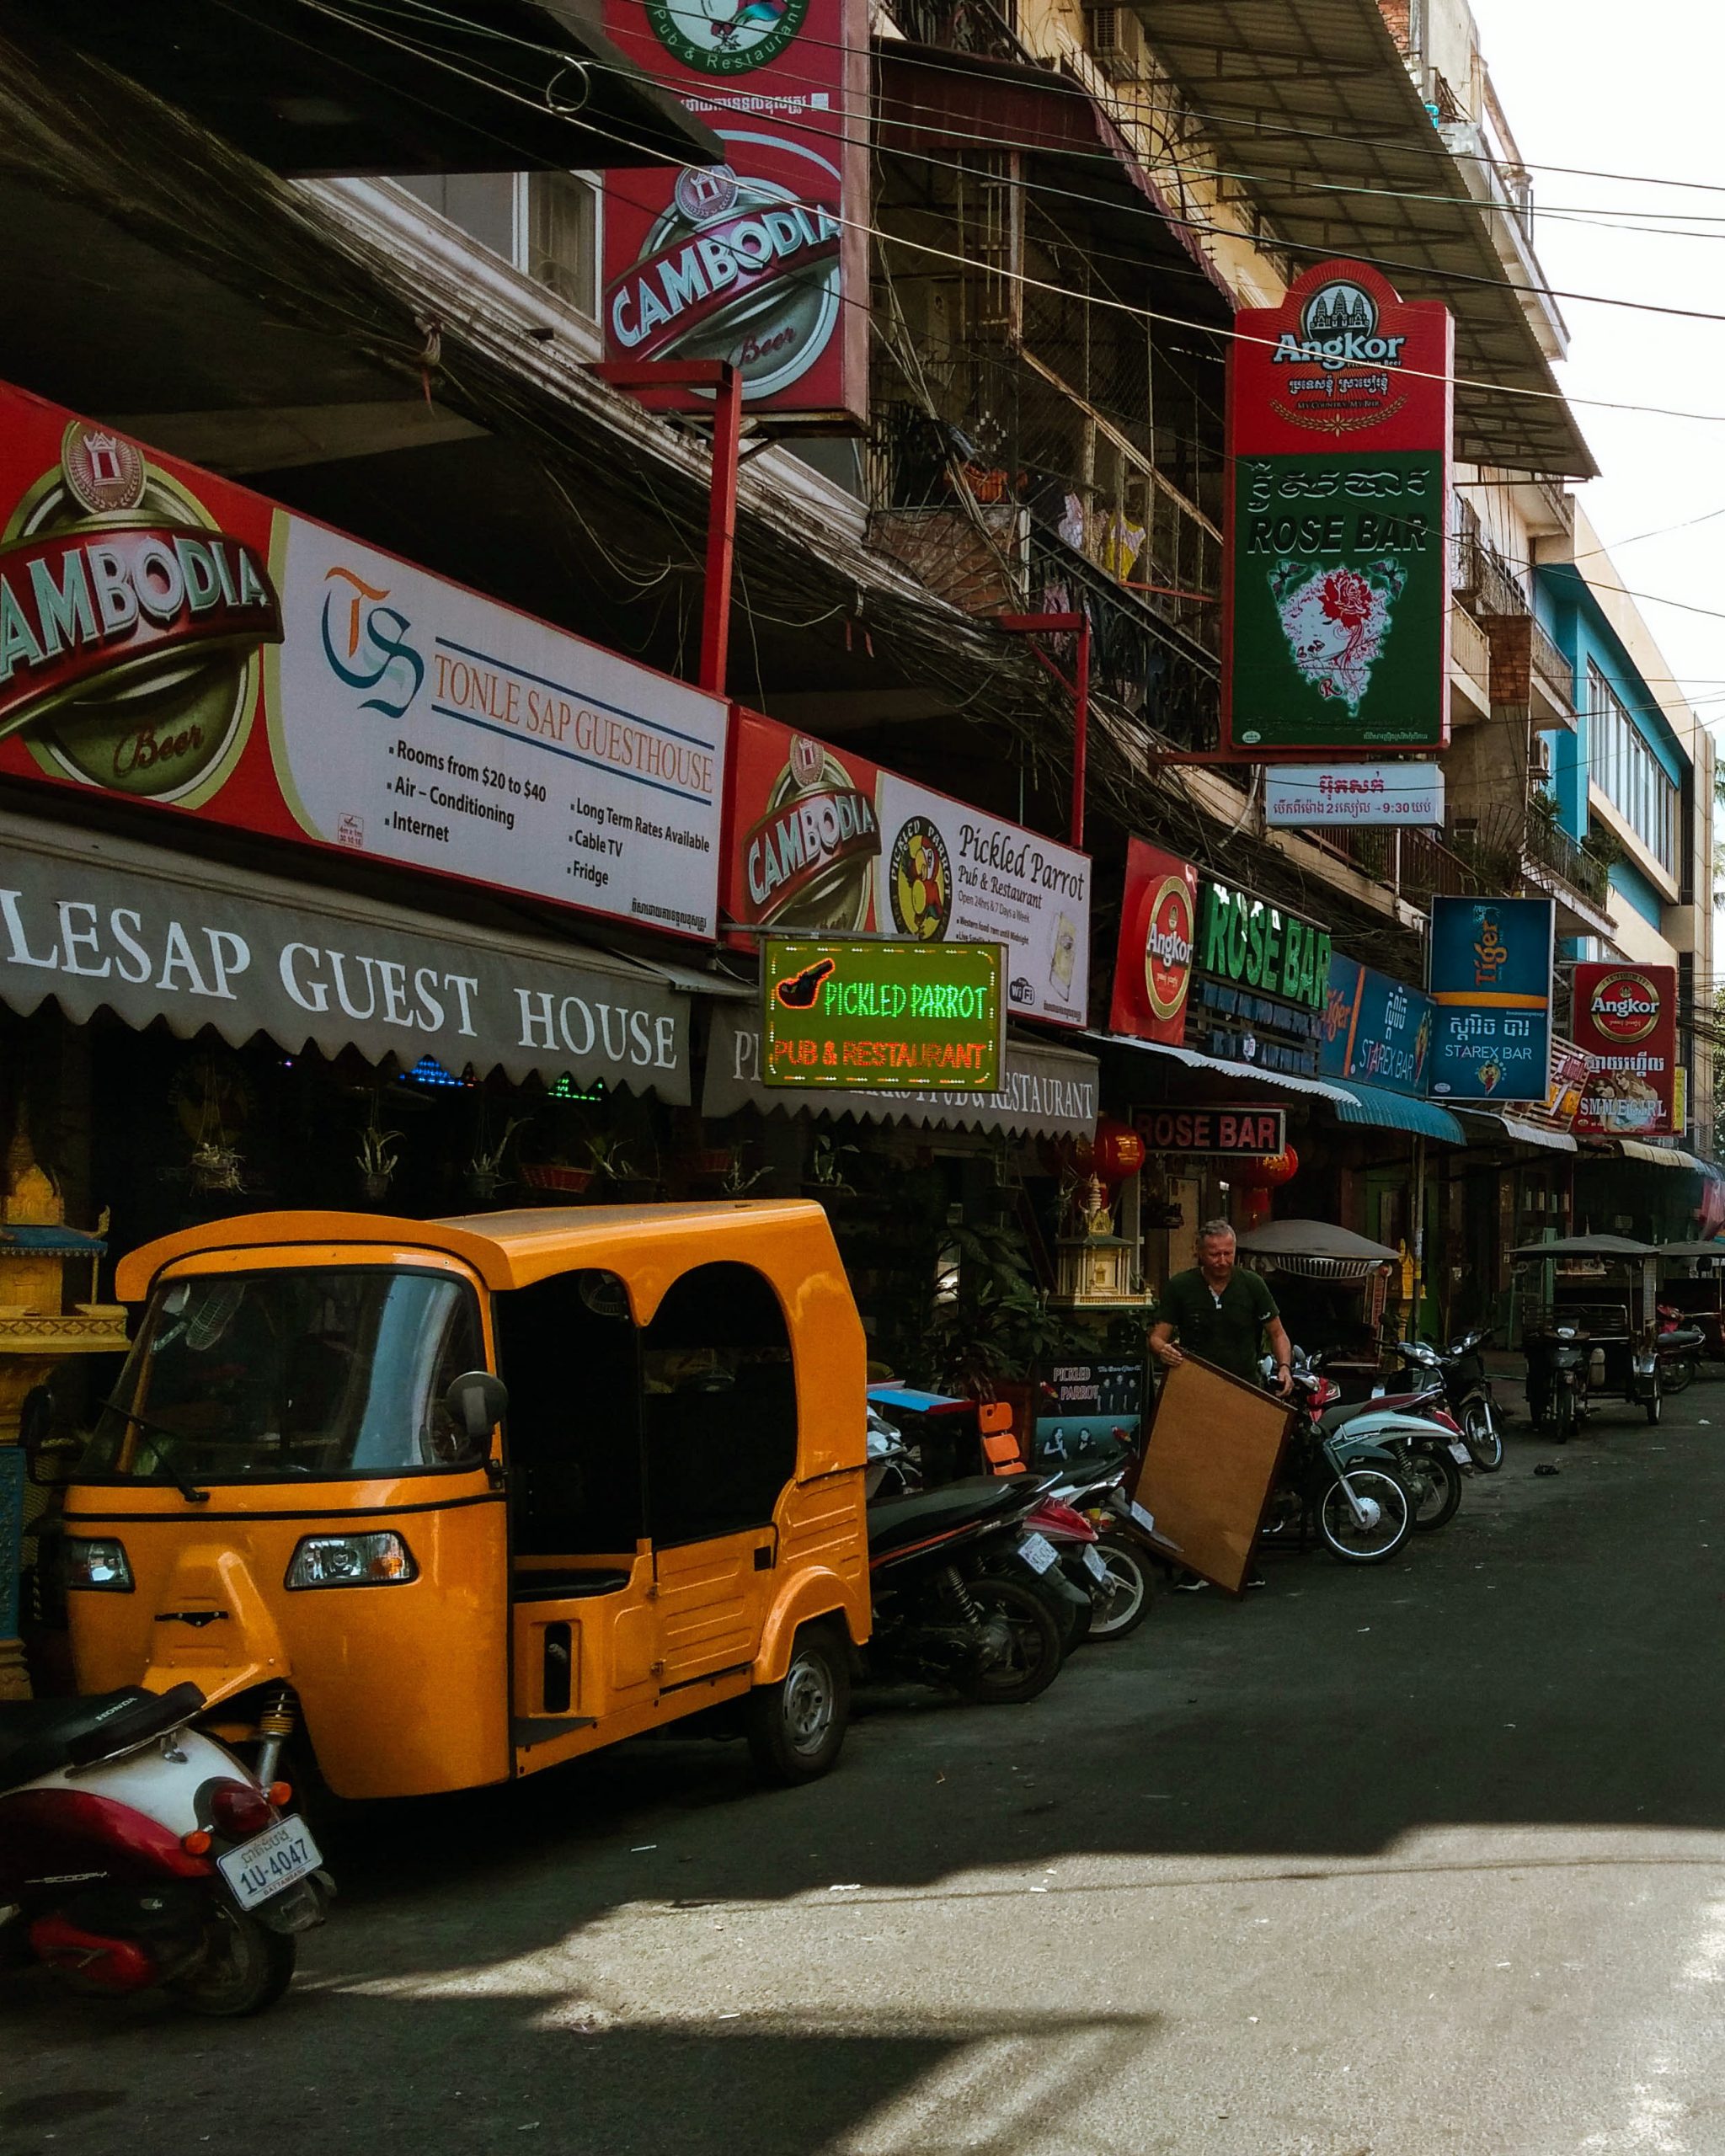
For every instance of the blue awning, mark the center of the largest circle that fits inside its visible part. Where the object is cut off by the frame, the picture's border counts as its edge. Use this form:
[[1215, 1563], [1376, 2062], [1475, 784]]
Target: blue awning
[[1388, 1111]]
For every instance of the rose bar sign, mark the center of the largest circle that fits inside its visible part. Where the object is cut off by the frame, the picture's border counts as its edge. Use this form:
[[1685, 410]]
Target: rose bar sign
[[1336, 590]]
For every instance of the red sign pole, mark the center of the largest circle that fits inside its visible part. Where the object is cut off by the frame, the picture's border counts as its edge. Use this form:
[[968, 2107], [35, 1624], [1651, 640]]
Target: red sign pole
[[664, 388]]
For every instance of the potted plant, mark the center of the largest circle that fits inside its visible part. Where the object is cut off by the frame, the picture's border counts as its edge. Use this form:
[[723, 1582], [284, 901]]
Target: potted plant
[[377, 1158], [485, 1175]]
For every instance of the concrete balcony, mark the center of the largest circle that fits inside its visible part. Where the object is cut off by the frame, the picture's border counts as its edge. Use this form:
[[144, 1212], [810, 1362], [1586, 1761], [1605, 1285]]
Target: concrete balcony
[[1470, 668]]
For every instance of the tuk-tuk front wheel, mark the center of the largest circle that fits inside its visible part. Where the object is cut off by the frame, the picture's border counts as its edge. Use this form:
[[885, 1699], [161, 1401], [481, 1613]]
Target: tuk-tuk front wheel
[[1655, 1403], [796, 1728]]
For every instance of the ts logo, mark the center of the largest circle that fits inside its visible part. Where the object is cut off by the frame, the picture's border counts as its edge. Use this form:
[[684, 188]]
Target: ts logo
[[365, 642]]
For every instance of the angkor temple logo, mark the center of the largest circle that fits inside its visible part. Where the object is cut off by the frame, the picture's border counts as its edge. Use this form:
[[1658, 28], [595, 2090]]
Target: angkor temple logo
[[1335, 309]]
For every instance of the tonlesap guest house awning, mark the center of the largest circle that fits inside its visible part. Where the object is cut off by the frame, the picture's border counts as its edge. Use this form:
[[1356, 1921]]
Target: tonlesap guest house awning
[[101, 923], [1050, 1092]]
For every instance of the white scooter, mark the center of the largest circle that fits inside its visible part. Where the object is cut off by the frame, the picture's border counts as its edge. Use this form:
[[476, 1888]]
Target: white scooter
[[135, 1852]]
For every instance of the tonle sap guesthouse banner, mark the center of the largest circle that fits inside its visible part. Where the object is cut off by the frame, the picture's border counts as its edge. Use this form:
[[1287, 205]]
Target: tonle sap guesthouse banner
[[1491, 982], [883, 1018], [1336, 587], [1626, 1021], [763, 259], [827, 841], [172, 639]]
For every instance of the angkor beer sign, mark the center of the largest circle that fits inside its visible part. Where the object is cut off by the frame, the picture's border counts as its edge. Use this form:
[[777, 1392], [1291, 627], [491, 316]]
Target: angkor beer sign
[[820, 838], [1626, 1021], [883, 1018], [171, 638], [763, 259], [1336, 591], [1158, 935]]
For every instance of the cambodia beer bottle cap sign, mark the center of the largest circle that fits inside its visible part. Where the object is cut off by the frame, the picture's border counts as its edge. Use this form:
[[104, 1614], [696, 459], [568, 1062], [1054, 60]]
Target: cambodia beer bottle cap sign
[[751, 259], [1337, 588], [131, 624]]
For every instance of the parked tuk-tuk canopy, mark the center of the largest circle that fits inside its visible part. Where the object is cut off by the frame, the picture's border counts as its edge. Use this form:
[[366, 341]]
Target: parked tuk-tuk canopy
[[1588, 1246]]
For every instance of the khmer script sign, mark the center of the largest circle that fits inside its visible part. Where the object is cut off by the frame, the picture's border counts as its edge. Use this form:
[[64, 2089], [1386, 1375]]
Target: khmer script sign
[[1336, 593], [1308, 797]]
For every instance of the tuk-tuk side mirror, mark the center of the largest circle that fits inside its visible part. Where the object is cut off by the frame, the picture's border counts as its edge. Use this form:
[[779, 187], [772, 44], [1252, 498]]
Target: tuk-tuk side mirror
[[477, 1402]]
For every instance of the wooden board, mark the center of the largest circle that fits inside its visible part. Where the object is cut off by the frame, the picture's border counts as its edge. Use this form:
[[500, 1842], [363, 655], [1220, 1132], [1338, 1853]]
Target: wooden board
[[1210, 1464]]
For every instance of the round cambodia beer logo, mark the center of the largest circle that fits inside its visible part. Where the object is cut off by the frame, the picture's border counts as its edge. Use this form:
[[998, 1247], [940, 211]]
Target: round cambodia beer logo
[[131, 626], [1167, 947], [1625, 1008], [726, 37], [741, 264], [809, 862], [920, 881]]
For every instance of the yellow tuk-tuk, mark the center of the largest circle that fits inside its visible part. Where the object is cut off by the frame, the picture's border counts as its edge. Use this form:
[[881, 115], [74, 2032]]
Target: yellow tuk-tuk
[[461, 1499]]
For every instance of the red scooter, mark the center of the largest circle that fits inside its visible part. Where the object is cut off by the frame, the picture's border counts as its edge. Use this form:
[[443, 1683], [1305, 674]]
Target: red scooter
[[136, 1852]]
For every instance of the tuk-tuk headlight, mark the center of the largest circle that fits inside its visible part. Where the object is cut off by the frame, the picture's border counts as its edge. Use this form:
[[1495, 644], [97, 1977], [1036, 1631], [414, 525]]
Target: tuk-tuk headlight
[[95, 1563], [382, 1560]]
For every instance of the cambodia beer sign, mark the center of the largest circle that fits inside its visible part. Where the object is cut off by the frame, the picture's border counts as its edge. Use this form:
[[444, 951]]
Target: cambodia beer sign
[[762, 260], [822, 839], [1491, 983], [1336, 590], [1626, 1021], [883, 1018], [170, 637]]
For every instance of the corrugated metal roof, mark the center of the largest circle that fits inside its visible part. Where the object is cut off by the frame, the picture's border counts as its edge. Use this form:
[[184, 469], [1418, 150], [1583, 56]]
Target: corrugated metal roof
[[1296, 92]]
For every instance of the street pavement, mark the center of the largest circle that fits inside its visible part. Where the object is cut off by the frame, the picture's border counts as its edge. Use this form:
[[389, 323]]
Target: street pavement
[[1378, 1862]]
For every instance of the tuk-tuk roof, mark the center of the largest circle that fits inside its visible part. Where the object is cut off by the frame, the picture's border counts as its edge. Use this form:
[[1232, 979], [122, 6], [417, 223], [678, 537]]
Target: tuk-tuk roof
[[513, 1249], [1714, 1249], [1587, 1247]]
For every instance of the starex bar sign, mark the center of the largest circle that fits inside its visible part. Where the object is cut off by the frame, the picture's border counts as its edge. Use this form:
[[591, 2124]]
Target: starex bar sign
[[883, 1018]]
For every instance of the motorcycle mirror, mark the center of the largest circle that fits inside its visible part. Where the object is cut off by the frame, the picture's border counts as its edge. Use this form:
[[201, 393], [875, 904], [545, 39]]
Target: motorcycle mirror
[[477, 1401]]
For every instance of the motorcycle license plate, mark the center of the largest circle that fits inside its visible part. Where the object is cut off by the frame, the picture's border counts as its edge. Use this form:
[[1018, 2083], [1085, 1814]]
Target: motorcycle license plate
[[1038, 1552], [1094, 1565], [1458, 1451], [271, 1862]]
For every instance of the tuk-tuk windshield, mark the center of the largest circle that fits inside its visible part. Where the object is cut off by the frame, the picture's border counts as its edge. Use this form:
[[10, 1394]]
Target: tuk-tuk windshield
[[249, 1377]]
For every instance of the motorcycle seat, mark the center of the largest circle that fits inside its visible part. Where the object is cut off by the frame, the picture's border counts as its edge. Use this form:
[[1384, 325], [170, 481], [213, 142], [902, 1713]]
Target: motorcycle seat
[[898, 1521], [39, 1737]]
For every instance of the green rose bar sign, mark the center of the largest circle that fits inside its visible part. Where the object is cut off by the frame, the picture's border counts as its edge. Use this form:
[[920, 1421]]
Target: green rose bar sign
[[883, 1018], [1336, 589]]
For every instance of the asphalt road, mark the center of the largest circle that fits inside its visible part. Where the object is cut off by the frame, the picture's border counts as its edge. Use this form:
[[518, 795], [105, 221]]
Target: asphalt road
[[1375, 1863]]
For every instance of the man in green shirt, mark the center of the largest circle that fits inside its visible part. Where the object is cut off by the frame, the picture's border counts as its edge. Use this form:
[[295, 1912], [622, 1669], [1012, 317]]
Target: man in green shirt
[[1220, 1315]]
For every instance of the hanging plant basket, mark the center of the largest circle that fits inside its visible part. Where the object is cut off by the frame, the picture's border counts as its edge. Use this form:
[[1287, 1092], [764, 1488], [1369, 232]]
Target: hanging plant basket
[[553, 1175]]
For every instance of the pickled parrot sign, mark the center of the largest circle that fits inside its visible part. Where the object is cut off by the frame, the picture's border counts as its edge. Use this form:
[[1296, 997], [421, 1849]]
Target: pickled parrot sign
[[1336, 591]]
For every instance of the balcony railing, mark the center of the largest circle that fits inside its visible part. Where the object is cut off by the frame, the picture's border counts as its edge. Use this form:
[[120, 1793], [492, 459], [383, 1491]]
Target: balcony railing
[[1421, 866], [1552, 666], [962, 26]]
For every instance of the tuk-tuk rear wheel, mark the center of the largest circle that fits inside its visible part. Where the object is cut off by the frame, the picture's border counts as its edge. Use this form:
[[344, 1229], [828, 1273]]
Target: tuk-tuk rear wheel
[[796, 1728]]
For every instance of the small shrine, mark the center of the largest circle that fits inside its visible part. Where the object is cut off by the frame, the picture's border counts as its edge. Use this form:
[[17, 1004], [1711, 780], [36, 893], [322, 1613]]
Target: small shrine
[[1093, 1265], [43, 1266]]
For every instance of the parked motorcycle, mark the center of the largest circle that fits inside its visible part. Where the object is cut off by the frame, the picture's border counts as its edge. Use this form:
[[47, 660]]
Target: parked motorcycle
[[955, 1600], [1128, 1557], [1340, 1487], [1679, 1346], [135, 1852], [1467, 1391], [1432, 1455]]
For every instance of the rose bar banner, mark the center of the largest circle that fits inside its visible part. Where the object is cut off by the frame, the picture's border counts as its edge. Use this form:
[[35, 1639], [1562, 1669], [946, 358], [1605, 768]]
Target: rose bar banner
[[177, 641], [1626, 1021], [820, 839], [1490, 980], [762, 261], [1336, 589]]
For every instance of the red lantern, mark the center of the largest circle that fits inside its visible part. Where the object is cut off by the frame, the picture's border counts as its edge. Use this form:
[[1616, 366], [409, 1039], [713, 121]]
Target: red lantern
[[1116, 1151], [1270, 1173]]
